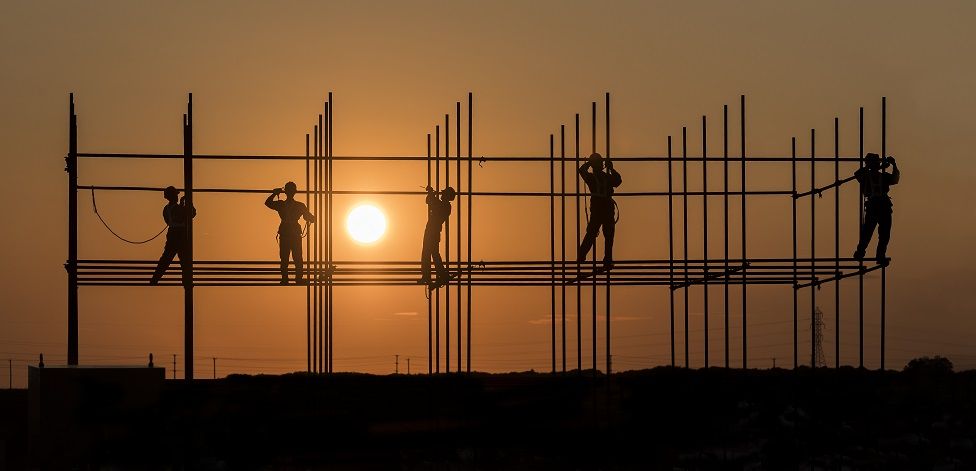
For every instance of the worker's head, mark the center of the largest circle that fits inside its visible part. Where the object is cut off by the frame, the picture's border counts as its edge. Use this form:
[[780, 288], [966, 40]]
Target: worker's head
[[448, 194], [596, 161], [171, 193], [872, 161], [290, 189]]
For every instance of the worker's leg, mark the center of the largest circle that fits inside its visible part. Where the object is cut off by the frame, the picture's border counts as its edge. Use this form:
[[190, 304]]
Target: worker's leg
[[296, 255], [185, 264], [283, 251], [867, 229], [173, 239], [592, 228], [164, 260], [439, 264], [609, 228], [884, 234], [425, 256]]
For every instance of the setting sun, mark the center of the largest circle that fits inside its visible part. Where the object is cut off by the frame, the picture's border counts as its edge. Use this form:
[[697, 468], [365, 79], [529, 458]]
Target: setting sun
[[366, 224]]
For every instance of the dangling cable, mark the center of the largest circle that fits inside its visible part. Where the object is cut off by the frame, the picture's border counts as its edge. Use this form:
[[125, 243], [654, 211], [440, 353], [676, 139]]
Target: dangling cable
[[123, 239]]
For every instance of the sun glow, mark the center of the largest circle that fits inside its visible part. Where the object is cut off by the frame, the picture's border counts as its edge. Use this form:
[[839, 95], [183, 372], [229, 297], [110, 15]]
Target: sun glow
[[366, 224]]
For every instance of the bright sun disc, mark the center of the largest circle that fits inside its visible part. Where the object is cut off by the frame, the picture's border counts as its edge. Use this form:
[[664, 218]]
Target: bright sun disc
[[366, 224]]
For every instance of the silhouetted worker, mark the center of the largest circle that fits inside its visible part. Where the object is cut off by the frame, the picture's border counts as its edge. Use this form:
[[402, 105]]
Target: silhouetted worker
[[289, 231], [602, 208], [438, 210], [877, 203], [175, 214]]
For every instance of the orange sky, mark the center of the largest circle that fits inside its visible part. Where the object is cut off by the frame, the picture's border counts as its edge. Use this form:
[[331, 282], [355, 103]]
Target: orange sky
[[259, 72]]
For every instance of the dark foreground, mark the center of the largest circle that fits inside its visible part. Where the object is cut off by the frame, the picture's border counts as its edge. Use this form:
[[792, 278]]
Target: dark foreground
[[654, 419]]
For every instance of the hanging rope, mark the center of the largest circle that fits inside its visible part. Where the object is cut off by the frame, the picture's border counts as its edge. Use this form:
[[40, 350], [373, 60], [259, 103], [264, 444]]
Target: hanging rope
[[123, 239]]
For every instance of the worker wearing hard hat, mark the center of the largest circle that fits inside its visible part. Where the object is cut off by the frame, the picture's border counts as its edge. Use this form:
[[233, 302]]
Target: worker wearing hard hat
[[877, 204], [602, 207]]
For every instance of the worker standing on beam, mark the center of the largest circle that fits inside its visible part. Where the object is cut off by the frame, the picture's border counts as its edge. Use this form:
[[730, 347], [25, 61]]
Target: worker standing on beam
[[438, 211], [175, 213], [602, 207], [289, 231], [877, 204]]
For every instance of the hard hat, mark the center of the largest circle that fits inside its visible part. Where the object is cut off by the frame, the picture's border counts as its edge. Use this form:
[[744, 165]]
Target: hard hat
[[291, 188], [595, 157], [872, 156], [171, 193], [449, 193]]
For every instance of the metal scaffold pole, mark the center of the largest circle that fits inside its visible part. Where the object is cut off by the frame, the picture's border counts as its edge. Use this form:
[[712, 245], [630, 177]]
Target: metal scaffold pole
[[71, 166], [188, 247]]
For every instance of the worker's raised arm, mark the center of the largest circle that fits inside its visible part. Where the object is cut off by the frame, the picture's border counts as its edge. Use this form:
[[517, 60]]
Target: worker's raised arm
[[270, 201], [431, 196], [582, 170], [895, 173], [193, 210], [615, 179]]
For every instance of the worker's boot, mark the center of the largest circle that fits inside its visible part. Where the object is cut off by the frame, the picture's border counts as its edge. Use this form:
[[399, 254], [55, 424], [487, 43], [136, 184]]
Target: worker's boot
[[443, 278], [882, 259]]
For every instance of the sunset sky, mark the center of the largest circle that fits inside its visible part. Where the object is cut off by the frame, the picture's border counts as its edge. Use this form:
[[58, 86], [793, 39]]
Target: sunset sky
[[260, 71]]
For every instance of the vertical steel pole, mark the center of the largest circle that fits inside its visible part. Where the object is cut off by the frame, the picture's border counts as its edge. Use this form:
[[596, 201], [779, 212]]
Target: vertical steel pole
[[325, 322], [470, 218], [745, 279], [71, 166], [684, 232], [705, 233], [606, 246], [795, 282], [318, 250], [430, 345], [725, 215], [447, 246], [552, 248], [326, 313], [317, 322], [436, 293], [837, 242], [579, 299], [323, 255], [671, 247], [860, 263], [884, 266], [593, 277], [562, 233], [457, 127], [813, 250], [188, 250], [308, 289], [328, 149]]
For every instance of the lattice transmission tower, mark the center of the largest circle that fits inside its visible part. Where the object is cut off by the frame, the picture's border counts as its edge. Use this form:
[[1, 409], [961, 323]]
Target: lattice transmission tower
[[819, 359]]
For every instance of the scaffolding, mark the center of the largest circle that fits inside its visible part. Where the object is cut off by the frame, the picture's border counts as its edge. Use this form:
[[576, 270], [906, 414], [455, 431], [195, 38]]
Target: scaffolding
[[327, 272]]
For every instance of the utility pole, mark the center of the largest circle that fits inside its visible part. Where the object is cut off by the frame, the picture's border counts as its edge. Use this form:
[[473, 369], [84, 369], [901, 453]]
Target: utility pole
[[174, 366], [10, 374], [396, 364], [215, 367], [774, 363], [408, 365]]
